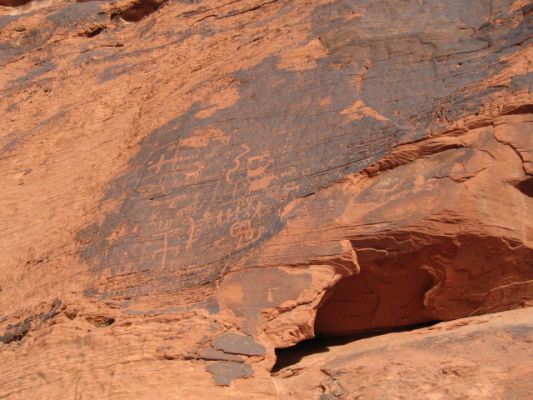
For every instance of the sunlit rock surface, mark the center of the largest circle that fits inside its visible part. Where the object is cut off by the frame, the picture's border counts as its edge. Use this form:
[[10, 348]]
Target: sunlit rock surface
[[188, 186]]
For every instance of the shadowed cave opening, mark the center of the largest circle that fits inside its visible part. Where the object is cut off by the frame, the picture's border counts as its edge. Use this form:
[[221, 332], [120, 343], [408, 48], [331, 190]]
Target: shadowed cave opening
[[374, 302], [412, 279], [390, 294], [285, 357]]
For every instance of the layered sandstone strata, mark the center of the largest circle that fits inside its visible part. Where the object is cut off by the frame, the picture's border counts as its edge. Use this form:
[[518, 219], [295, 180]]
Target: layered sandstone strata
[[190, 186]]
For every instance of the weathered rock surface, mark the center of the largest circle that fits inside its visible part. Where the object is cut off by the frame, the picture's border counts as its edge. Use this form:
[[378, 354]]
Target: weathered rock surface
[[189, 185], [484, 357]]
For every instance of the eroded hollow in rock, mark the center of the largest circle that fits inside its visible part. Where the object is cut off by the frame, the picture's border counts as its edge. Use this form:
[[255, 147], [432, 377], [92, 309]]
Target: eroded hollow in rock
[[389, 292], [409, 279], [14, 3], [374, 300], [139, 9], [526, 187], [413, 279], [93, 31], [288, 356]]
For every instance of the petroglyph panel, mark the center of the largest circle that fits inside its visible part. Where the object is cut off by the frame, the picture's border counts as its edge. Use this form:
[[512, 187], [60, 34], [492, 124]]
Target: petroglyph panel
[[207, 187], [201, 191]]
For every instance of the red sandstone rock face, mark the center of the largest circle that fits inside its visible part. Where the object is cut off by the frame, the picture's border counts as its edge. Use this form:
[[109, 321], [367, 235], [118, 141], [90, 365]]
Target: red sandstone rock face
[[453, 360], [189, 185]]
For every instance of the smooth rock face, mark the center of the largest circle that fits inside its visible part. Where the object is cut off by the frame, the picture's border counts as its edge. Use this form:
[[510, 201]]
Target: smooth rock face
[[189, 185]]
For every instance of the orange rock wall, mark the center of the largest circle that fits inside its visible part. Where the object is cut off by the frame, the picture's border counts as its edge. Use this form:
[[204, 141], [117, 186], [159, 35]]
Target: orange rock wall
[[187, 186]]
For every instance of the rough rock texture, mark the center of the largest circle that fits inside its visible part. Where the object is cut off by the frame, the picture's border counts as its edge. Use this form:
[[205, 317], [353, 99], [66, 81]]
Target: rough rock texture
[[188, 185], [484, 357]]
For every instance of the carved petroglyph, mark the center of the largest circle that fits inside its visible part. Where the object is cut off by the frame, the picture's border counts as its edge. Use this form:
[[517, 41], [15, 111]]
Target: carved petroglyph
[[262, 183], [202, 137], [237, 163], [257, 165], [359, 110], [245, 233], [291, 190], [193, 176]]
